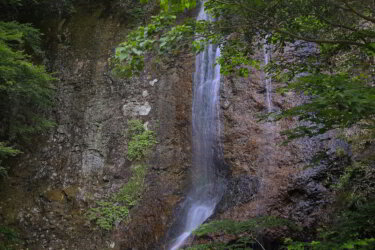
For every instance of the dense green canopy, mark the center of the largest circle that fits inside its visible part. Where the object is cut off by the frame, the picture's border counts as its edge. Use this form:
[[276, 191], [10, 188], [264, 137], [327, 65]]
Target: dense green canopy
[[331, 42], [25, 87]]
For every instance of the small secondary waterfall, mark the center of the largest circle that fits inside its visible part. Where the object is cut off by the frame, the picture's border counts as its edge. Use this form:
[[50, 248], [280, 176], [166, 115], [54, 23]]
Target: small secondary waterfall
[[269, 147], [267, 78], [207, 189]]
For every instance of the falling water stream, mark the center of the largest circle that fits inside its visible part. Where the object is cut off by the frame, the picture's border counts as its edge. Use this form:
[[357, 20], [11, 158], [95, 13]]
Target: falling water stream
[[269, 147], [207, 189], [268, 80]]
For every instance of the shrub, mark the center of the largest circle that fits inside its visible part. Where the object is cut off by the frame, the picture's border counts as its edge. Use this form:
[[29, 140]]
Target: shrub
[[130, 193], [9, 238], [141, 140], [117, 209], [245, 232], [107, 213]]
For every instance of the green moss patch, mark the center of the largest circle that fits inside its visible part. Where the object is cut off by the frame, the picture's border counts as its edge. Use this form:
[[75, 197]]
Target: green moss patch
[[131, 192], [141, 140], [117, 209], [107, 213]]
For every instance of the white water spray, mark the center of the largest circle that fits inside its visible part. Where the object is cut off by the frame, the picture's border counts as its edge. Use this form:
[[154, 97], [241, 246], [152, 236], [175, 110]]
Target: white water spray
[[207, 188]]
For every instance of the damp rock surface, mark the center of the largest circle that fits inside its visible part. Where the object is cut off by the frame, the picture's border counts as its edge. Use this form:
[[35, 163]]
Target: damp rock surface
[[265, 177], [83, 160]]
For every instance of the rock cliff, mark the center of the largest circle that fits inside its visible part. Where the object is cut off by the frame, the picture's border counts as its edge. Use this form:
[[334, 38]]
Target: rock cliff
[[83, 160]]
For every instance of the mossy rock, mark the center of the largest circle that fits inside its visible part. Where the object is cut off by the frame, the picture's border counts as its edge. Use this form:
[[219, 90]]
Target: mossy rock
[[71, 192], [56, 195]]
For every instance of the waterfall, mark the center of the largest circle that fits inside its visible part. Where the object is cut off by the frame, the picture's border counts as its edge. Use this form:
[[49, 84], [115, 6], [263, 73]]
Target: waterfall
[[268, 80], [207, 188]]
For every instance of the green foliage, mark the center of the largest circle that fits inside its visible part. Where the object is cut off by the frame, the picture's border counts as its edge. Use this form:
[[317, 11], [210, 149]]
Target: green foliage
[[24, 87], [352, 229], [318, 245], [175, 5], [235, 59], [117, 208], [361, 138], [356, 185], [5, 152], [243, 243], [352, 225], [325, 51], [245, 231], [342, 32], [336, 101], [8, 238], [131, 192], [164, 38], [135, 127], [129, 57], [141, 140], [26, 92], [233, 227], [15, 37], [107, 213], [33, 9]]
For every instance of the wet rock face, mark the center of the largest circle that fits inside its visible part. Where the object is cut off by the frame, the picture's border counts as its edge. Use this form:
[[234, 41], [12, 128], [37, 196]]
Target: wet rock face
[[308, 196], [265, 177], [252, 149], [84, 159], [240, 190]]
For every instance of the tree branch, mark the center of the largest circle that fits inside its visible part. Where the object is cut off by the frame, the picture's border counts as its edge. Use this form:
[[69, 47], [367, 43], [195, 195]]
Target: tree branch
[[319, 41], [351, 8]]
